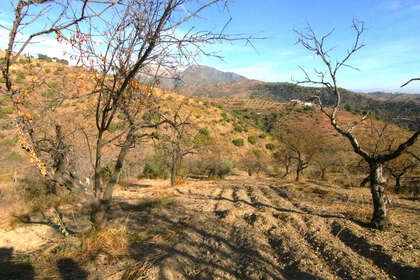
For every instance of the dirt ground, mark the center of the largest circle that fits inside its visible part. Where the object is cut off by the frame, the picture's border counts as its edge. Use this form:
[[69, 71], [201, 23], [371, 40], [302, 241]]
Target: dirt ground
[[250, 228]]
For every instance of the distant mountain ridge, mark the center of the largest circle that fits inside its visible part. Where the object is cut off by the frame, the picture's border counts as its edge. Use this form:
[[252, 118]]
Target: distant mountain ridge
[[200, 75]]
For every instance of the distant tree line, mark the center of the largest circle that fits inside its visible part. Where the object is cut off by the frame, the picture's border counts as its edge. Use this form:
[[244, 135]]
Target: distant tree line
[[45, 57], [397, 112]]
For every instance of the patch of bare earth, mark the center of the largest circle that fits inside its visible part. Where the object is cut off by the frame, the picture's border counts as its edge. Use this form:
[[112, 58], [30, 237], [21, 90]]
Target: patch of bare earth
[[256, 228]]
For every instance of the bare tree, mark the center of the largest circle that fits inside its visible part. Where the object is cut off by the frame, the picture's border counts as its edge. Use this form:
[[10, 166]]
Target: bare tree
[[301, 146], [328, 78], [399, 167], [123, 46], [178, 142], [283, 156], [253, 161]]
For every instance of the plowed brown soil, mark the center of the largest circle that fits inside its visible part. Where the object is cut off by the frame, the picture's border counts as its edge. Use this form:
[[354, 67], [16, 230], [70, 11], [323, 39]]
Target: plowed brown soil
[[245, 228], [259, 228]]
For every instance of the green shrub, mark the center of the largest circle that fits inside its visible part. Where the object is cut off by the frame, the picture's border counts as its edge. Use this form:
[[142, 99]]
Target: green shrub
[[116, 126], [48, 93], [202, 136], [239, 142], [53, 84], [59, 68], [2, 80], [47, 70], [270, 146], [56, 72], [63, 61], [43, 57], [309, 109], [237, 128], [204, 131], [252, 140], [151, 116], [263, 136], [224, 169], [348, 108], [155, 166], [38, 64]]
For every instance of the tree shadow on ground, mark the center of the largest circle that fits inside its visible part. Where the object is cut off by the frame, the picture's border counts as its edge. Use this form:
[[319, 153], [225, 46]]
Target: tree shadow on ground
[[70, 270], [258, 205], [200, 247], [11, 270], [375, 253]]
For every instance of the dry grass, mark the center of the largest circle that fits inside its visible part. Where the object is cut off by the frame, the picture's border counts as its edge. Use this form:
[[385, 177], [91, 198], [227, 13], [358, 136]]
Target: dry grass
[[359, 212], [179, 181], [112, 241]]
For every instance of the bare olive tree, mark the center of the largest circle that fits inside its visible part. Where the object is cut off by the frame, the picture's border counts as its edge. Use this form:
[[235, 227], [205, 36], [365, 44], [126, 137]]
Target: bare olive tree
[[178, 141], [123, 47], [301, 146], [328, 78], [401, 166]]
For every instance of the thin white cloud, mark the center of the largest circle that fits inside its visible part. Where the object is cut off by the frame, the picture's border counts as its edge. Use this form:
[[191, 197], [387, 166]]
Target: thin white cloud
[[39, 45]]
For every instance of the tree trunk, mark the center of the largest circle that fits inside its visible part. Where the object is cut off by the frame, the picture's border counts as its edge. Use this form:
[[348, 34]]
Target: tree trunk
[[173, 174], [298, 171], [98, 157], [249, 172], [287, 164], [212, 172], [100, 207], [380, 218], [397, 184], [98, 211]]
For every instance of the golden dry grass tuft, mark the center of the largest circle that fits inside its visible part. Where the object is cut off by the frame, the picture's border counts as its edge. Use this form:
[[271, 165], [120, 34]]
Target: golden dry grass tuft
[[112, 241]]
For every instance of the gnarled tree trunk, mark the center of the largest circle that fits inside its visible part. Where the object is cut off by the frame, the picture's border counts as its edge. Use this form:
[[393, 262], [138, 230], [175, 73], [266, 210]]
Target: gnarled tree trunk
[[100, 207], [380, 218]]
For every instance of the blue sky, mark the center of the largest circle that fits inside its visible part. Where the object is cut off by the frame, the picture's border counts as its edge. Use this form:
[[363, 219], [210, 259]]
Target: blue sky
[[392, 38]]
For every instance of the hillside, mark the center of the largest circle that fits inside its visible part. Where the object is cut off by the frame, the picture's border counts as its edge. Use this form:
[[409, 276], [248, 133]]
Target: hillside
[[402, 109], [253, 222], [397, 97], [400, 112]]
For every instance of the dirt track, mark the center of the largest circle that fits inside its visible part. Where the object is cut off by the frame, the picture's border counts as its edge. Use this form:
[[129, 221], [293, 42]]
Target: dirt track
[[267, 229]]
